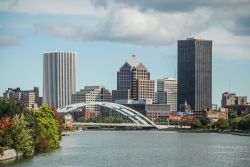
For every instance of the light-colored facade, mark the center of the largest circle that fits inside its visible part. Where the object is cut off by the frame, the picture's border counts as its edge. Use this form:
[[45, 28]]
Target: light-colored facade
[[29, 98], [213, 116], [68, 119], [133, 82], [229, 99], [59, 78], [167, 92], [92, 94]]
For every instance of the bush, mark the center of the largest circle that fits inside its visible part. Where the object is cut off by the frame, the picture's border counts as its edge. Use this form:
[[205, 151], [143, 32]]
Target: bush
[[244, 123], [221, 124], [196, 124], [42, 146]]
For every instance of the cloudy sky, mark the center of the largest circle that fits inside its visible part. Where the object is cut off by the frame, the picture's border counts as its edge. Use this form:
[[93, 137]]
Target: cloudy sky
[[106, 33]]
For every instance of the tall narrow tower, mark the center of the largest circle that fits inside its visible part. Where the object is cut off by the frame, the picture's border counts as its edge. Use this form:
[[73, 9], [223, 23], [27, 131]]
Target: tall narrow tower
[[59, 78], [195, 73]]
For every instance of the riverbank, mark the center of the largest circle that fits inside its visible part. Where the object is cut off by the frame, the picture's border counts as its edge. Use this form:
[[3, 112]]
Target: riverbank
[[212, 131], [10, 154], [144, 148], [179, 130]]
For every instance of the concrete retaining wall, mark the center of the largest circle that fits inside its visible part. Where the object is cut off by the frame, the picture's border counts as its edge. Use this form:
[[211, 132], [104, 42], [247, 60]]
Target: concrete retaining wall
[[10, 154]]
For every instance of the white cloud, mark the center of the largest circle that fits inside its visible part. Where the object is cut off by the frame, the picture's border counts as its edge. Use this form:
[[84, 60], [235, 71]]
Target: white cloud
[[133, 26], [226, 44], [57, 7], [59, 30], [151, 28], [9, 41], [141, 23]]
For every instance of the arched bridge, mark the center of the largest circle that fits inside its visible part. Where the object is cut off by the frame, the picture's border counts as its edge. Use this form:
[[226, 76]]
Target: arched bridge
[[132, 114]]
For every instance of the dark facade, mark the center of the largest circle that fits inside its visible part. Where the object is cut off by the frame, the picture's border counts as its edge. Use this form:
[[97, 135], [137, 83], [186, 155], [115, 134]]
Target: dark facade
[[195, 73]]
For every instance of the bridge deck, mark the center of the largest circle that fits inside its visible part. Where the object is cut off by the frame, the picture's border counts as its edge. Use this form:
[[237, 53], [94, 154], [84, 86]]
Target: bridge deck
[[111, 124]]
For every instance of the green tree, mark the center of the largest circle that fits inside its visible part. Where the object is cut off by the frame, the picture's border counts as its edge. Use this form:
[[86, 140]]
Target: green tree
[[20, 135], [10, 108], [232, 115], [244, 123], [221, 124], [234, 123], [60, 121], [196, 124], [204, 121], [48, 127]]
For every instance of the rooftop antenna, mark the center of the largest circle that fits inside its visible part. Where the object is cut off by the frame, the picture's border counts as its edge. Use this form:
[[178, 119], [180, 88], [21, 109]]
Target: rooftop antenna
[[175, 74], [229, 85], [190, 36]]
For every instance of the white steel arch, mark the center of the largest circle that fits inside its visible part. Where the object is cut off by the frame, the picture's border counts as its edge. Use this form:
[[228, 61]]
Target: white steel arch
[[132, 114]]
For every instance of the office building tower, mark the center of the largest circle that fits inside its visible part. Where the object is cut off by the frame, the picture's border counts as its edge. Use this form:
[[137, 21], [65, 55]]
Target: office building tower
[[195, 73], [133, 83], [167, 93], [59, 78]]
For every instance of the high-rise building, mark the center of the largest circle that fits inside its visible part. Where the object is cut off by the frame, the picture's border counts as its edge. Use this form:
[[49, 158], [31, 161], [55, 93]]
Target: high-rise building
[[133, 82], [195, 73], [29, 98], [59, 78], [167, 92]]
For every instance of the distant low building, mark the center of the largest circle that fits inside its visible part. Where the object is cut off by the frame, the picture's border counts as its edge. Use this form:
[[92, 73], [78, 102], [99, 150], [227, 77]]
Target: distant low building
[[152, 111], [213, 116], [90, 114], [231, 99], [68, 119], [90, 94], [156, 111], [29, 98], [235, 103], [199, 114]]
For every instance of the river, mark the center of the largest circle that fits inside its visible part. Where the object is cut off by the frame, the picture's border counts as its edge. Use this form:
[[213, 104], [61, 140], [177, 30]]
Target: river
[[145, 149]]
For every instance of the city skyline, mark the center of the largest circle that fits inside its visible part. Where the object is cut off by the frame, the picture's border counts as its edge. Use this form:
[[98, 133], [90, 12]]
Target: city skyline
[[29, 28]]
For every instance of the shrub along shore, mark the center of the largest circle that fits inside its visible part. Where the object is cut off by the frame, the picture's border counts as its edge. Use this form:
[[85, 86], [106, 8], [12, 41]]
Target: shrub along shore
[[29, 131]]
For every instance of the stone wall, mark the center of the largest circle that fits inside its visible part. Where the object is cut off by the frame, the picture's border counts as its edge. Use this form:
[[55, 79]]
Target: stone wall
[[10, 154]]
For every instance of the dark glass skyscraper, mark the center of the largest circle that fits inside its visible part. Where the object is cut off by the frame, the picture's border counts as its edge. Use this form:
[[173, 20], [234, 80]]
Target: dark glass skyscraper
[[195, 73]]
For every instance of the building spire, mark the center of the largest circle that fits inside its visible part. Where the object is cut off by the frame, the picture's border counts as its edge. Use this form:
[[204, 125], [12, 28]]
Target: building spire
[[133, 61]]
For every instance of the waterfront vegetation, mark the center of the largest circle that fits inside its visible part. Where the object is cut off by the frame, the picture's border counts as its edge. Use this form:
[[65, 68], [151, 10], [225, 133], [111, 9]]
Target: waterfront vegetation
[[233, 123], [108, 119], [240, 123], [28, 131]]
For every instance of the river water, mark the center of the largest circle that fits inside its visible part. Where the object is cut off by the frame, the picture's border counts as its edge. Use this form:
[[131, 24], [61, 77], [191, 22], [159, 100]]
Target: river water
[[145, 149]]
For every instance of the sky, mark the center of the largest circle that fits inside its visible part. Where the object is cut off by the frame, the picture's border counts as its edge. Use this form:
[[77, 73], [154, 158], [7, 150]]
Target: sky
[[106, 33]]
